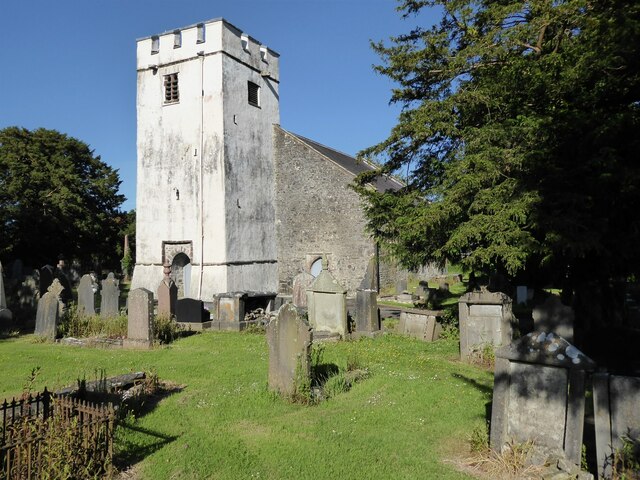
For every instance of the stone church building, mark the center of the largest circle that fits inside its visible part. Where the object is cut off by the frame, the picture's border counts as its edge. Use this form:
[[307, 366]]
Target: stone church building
[[227, 197]]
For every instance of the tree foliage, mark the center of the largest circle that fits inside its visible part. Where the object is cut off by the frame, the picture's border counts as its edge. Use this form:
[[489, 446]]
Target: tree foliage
[[520, 132], [56, 197]]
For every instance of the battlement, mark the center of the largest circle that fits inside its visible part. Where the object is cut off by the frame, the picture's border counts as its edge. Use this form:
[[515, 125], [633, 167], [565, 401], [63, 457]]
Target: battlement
[[207, 38]]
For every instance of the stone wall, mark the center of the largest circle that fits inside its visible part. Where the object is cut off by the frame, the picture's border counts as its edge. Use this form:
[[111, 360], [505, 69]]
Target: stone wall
[[317, 213]]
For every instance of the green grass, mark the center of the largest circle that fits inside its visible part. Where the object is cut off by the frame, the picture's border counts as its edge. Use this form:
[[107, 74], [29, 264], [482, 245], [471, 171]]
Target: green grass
[[414, 411]]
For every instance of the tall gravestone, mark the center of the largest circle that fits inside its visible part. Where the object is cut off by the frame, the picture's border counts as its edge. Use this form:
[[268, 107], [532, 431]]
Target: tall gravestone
[[110, 301], [50, 308], [86, 296], [301, 283], [554, 316], [485, 319], [539, 395], [327, 304], [5, 314], [167, 294], [289, 338], [140, 319]]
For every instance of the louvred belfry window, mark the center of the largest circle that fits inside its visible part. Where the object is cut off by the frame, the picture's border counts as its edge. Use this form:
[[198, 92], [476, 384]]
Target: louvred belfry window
[[171, 93], [254, 94]]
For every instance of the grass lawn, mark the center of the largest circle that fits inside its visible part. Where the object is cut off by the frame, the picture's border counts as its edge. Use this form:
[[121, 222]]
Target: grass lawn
[[414, 411]]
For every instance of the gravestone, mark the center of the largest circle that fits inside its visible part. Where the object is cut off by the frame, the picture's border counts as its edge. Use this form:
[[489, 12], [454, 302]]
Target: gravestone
[[289, 338], [422, 290], [301, 284], [554, 316], [86, 296], [167, 294], [401, 285], [538, 396], [189, 310], [67, 293], [485, 319], [46, 277], [616, 401], [229, 310], [50, 307], [371, 279], [5, 314], [367, 313], [327, 304], [139, 319], [28, 294], [110, 297], [17, 270], [422, 325]]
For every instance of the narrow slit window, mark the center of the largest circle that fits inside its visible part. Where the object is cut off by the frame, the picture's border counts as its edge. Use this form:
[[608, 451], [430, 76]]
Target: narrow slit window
[[254, 94], [155, 45], [171, 92], [200, 28], [177, 39]]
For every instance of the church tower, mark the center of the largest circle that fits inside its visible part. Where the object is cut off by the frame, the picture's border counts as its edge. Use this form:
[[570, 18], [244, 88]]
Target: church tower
[[207, 100]]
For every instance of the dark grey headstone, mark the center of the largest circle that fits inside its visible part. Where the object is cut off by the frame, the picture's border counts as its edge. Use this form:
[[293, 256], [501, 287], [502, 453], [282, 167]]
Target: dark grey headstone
[[167, 297], [49, 310], [289, 338], [17, 270], [189, 310], [554, 316], [86, 296], [140, 318], [110, 301]]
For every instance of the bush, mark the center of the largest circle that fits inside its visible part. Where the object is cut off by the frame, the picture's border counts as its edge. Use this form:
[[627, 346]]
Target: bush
[[80, 326], [165, 329]]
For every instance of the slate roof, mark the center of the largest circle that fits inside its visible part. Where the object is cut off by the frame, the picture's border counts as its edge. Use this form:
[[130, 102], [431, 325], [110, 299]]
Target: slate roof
[[349, 163]]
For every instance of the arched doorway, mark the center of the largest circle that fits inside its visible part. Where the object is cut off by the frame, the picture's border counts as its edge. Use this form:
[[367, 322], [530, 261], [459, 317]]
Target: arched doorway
[[181, 274]]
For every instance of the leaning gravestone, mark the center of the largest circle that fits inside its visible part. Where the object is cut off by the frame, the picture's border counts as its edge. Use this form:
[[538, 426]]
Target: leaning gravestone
[[289, 338], [5, 314], [422, 325], [554, 316], [86, 296], [110, 301], [327, 304], [301, 283], [49, 309], [140, 319], [539, 395], [485, 319]]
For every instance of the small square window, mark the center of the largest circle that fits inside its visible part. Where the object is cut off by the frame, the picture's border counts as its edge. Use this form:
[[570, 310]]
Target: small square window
[[254, 94], [171, 92]]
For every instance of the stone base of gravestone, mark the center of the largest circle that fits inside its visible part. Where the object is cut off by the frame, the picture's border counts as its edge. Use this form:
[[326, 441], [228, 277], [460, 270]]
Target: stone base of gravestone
[[554, 316], [485, 319], [289, 338], [616, 414], [367, 314], [140, 319], [422, 325], [538, 396]]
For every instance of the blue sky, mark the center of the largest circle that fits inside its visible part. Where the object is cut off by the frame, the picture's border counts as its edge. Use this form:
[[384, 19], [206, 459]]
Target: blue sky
[[69, 65]]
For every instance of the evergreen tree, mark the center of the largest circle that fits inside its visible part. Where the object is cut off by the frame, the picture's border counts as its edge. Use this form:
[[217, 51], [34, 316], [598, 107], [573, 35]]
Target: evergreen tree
[[56, 197]]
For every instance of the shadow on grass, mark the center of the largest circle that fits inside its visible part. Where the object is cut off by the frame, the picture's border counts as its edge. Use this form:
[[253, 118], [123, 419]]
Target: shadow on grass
[[133, 442]]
